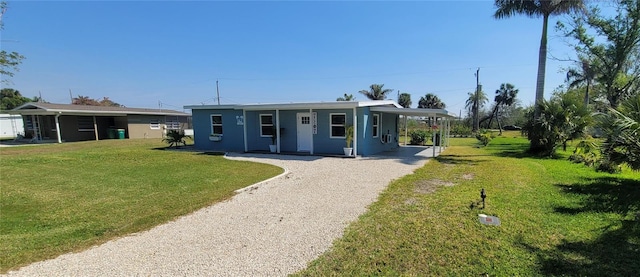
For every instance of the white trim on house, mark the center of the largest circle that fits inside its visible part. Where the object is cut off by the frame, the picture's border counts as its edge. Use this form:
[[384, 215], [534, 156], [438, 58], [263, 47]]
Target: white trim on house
[[220, 124], [375, 125], [331, 125], [299, 106], [262, 135]]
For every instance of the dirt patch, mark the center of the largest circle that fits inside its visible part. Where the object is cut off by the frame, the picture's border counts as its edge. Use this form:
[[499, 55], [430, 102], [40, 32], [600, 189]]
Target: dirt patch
[[468, 176], [429, 186], [411, 201]]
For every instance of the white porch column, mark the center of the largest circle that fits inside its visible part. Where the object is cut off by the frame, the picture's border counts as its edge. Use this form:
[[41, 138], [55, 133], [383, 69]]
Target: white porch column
[[278, 130], [244, 129], [313, 127], [355, 131], [434, 138], [58, 127], [406, 133], [34, 128], [95, 127], [441, 127]]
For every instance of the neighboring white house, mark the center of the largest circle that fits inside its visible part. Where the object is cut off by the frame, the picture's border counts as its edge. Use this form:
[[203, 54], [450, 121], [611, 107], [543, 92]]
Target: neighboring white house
[[10, 126]]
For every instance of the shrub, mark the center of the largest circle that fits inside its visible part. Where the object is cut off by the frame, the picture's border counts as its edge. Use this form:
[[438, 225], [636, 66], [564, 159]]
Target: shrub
[[419, 137], [461, 130], [484, 137]]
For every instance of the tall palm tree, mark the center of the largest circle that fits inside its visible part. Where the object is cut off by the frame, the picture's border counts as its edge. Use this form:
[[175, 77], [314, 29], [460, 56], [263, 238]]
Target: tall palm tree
[[376, 92], [480, 98], [431, 101], [537, 8], [505, 96], [404, 99], [346, 97], [585, 74]]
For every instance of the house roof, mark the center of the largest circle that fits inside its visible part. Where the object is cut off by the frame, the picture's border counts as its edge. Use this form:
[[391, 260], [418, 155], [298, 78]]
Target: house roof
[[299, 105], [37, 108], [387, 106]]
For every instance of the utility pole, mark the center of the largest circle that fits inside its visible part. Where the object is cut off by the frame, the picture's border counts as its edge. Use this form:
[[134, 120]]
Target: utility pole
[[218, 92], [476, 104]]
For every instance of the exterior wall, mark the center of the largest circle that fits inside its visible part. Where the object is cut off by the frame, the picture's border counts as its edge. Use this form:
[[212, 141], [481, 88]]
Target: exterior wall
[[367, 143], [254, 141], [322, 141], [139, 126], [232, 133]]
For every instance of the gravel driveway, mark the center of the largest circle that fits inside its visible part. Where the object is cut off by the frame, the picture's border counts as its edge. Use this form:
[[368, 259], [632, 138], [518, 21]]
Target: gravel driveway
[[269, 229]]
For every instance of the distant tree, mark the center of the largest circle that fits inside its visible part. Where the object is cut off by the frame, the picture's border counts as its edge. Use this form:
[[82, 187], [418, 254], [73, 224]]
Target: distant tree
[[376, 92], [585, 73], [404, 99], [346, 97], [87, 101], [431, 101], [538, 8], [614, 45], [107, 102], [505, 96], [9, 61], [474, 110], [11, 98]]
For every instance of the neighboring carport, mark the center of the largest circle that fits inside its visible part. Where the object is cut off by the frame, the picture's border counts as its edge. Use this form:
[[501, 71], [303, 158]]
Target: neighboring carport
[[89, 122], [441, 118]]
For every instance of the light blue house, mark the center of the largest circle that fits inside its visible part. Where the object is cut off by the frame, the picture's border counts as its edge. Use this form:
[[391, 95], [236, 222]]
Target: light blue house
[[313, 128]]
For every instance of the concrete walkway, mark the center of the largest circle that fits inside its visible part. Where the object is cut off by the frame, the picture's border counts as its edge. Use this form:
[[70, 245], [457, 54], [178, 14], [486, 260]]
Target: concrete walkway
[[270, 229]]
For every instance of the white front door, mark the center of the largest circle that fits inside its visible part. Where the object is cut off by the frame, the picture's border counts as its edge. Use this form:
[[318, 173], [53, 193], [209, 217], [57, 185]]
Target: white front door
[[304, 131]]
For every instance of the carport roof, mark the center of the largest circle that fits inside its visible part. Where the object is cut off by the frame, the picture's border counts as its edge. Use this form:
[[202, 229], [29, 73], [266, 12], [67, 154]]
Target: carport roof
[[37, 108], [414, 112]]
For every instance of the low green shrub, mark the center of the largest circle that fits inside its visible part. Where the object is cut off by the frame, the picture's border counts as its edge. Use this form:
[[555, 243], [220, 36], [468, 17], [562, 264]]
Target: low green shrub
[[419, 137]]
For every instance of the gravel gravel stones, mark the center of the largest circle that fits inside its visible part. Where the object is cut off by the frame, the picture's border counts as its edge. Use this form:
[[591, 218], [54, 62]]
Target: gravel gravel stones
[[272, 228]]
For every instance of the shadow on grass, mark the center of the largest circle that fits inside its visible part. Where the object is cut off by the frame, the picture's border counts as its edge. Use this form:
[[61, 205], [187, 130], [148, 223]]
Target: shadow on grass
[[459, 159], [616, 250]]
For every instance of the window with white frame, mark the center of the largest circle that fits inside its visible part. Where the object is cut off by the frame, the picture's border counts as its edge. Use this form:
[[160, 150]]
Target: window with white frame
[[266, 125], [85, 124], [172, 124], [216, 124], [154, 124], [376, 125], [338, 122]]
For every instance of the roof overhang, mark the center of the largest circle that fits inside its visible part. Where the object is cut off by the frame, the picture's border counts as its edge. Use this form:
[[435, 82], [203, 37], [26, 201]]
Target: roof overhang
[[299, 106], [34, 109], [414, 112]]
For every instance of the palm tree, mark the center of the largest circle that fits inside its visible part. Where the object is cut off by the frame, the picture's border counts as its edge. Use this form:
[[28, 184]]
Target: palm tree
[[505, 96], [585, 74], [176, 137], [376, 92], [404, 99], [346, 97], [431, 101], [537, 8], [480, 98]]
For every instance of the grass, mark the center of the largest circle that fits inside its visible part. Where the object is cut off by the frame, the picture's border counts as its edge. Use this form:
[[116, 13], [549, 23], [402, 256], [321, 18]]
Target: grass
[[67, 197], [558, 218]]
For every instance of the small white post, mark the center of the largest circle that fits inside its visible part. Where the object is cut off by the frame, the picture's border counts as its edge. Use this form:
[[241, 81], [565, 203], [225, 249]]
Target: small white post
[[58, 127]]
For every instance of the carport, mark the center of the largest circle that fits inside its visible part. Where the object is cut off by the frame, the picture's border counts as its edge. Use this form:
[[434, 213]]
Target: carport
[[441, 118]]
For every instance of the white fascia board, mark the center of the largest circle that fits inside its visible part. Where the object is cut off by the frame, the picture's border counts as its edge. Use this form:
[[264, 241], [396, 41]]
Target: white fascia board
[[300, 106], [210, 107], [413, 112]]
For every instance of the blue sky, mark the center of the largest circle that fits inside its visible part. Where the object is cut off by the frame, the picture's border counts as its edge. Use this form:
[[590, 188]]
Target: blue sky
[[145, 52]]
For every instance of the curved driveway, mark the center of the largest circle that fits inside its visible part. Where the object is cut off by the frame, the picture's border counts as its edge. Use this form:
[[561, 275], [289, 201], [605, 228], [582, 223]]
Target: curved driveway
[[269, 229]]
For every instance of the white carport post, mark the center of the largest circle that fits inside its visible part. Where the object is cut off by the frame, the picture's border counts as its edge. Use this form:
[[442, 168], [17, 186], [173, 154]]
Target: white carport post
[[355, 132], [244, 129], [405, 130], [95, 127], [278, 130], [58, 127], [441, 127], [314, 121], [434, 136]]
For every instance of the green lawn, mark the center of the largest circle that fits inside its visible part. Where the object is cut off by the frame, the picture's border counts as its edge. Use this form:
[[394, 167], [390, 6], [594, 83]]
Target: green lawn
[[558, 218], [68, 197]]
